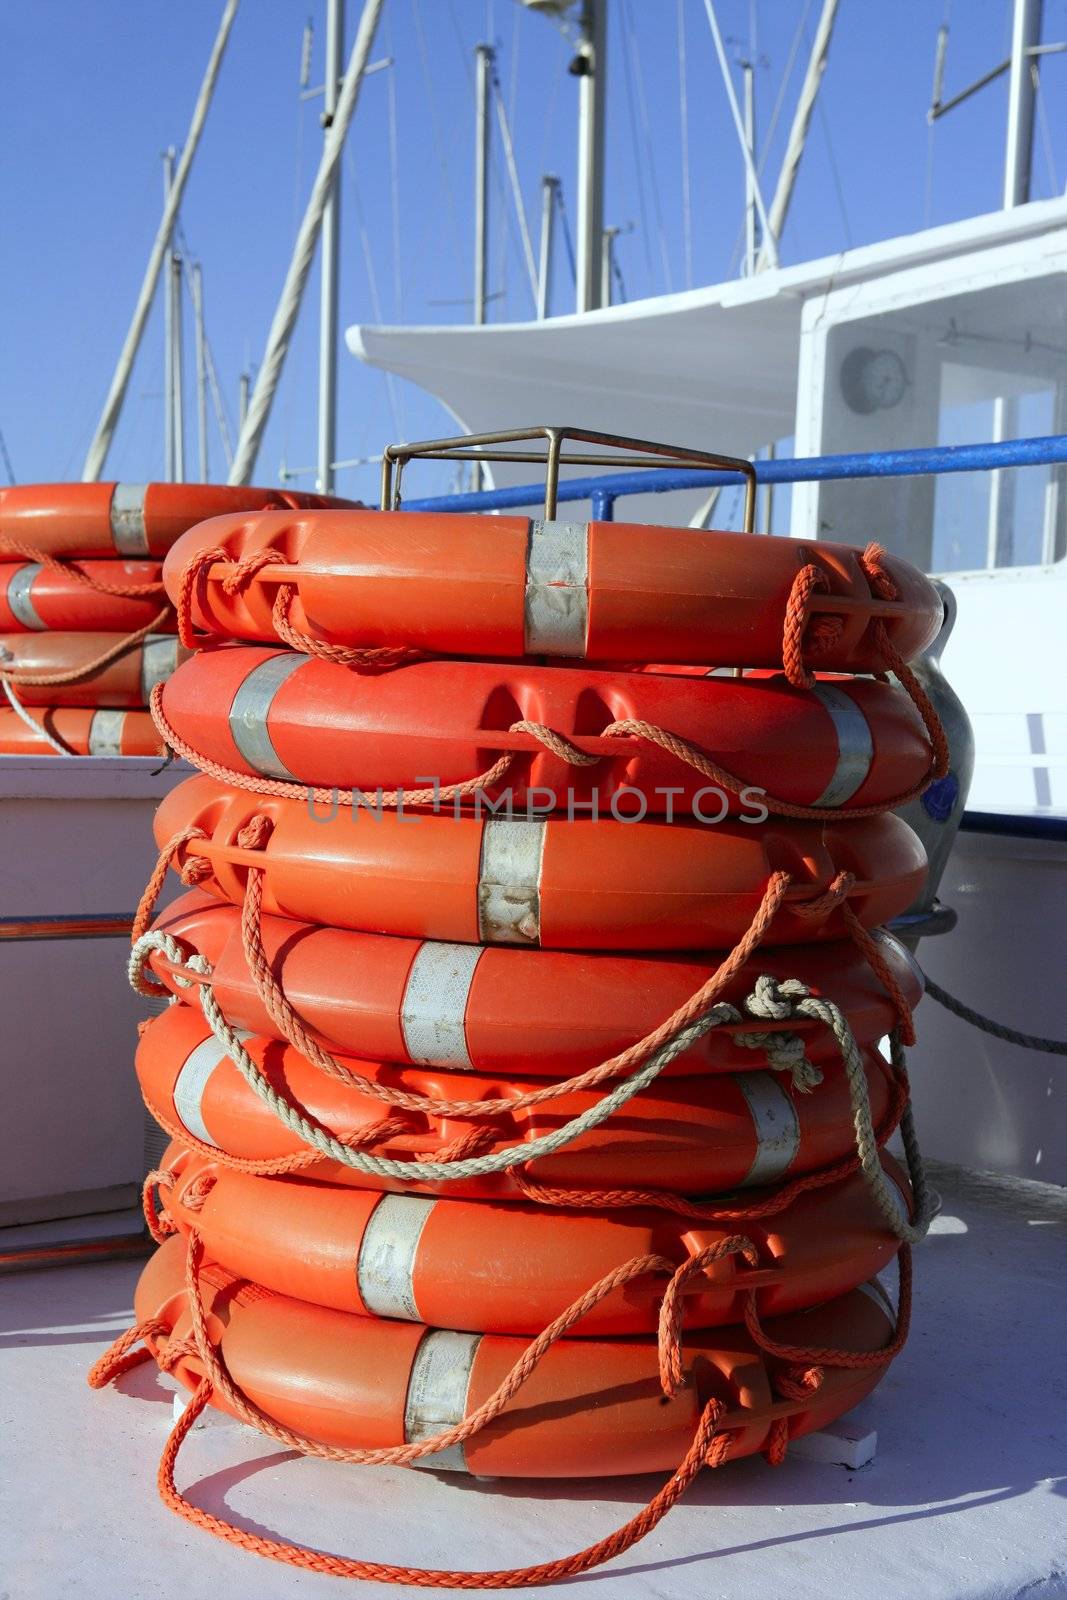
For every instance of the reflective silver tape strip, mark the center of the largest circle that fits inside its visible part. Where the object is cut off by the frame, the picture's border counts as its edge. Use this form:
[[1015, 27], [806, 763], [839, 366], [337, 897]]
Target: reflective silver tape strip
[[855, 748], [19, 598], [774, 1117], [874, 1291], [251, 708], [890, 942], [191, 1082], [386, 1264], [437, 1393], [127, 519], [105, 733], [159, 657], [509, 881], [557, 588], [433, 1012]]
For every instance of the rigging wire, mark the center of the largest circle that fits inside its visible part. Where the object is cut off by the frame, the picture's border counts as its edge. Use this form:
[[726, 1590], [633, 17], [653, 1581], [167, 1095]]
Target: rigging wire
[[438, 133], [683, 116], [567, 240], [646, 125], [799, 35], [372, 284], [638, 165], [835, 172], [392, 110], [8, 468], [516, 190], [1042, 122]]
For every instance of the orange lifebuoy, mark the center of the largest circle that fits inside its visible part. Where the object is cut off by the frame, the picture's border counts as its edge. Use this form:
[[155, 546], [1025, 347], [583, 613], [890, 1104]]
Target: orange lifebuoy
[[57, 669], [128, 519], [36, 596], [454, 1005], [83, 731], [692, 1135], [492, 1268], [589, 1407], [509, 586], [280, 714], [561, 884]]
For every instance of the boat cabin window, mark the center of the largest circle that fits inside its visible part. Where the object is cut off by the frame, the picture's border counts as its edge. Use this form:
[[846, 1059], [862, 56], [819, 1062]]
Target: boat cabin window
[[965, 369]]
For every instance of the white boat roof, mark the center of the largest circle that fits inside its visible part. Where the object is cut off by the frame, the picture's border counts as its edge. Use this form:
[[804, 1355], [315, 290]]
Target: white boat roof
[[715, 366]]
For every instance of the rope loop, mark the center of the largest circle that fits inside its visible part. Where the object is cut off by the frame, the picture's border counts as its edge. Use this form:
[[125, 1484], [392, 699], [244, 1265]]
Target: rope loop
[[74, 570], [146, 906], [49, 680]]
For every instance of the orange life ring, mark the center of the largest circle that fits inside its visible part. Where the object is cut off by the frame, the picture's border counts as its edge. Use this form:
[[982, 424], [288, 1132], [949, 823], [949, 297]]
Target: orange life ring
[[694, 1135], [283, 715], [34, 597], [84, 732], [492, 1268], [561, 884], [126, 678], [453, 1005], [509, 586], [128, 519], [591, 1407]]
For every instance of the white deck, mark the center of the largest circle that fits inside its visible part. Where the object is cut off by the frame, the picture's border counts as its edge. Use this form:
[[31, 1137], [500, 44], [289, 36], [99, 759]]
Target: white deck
[[963, 1500]]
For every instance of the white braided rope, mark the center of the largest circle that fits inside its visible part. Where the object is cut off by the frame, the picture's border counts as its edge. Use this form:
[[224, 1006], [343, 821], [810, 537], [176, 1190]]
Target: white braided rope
[[771, 998], [36, 727], [826, 1012], [472, 1166], [173, 951]]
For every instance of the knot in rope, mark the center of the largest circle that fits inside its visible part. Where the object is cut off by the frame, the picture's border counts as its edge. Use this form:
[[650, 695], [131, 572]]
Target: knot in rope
[[197, 1190], [669, 1335], [246, 569], [255, 832], [872, 561], [197, 869], [173, 1351], [773, 1001], [834, 895], [173, 951]]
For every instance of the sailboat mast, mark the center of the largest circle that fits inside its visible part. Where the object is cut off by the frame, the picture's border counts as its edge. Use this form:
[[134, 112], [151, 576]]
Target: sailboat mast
[[483, 65], [105, 428], [169, 157], [1025, 37], [591, 65], [331, 245]]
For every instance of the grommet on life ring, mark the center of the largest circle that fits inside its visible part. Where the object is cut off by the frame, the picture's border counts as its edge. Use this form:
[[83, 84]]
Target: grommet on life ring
[[422, 1002], [590, 1407], [508, 586], [561, 884], [489, 1268], [35, 597], [283, 715], [83, 731], [129, 519], [694, 1135], [126, 678]]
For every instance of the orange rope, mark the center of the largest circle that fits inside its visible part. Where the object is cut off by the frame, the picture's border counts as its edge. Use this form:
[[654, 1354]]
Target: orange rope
[[707, 1449], [72, 569], [45, 680], [827, 1356], [728, 1209], [292, 1028], [683, 750]]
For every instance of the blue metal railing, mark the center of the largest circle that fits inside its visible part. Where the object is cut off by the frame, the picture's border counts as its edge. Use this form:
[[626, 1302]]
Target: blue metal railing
[[603, 491]]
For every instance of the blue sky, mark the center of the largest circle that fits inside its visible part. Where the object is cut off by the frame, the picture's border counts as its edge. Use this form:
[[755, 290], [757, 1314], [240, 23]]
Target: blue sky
[[96, 89]]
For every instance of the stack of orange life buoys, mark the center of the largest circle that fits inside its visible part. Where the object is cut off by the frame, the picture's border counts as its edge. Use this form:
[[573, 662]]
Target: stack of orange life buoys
[[86, 628], [524, 1081]]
